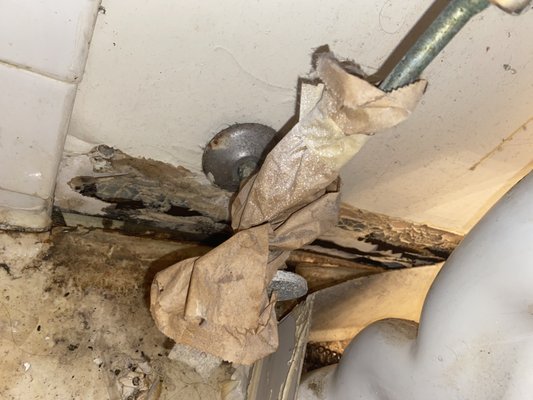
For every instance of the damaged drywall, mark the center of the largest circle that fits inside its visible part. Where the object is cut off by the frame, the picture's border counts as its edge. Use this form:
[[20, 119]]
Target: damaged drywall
[[144, 194], [102, 187], [382, 240]]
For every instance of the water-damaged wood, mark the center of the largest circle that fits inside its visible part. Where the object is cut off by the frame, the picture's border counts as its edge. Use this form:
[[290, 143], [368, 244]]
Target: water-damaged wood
[[110, 189]]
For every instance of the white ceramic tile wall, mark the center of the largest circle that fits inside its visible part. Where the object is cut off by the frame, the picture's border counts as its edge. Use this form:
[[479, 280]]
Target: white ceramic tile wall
[[43, 50], [50, 37], [34, 115]]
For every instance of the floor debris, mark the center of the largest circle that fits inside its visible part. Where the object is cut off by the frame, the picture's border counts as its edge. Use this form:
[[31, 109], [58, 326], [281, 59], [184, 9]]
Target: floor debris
[[74, 320]]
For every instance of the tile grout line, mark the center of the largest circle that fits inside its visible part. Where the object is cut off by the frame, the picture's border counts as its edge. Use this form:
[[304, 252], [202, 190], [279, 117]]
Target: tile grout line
[[43, 74]]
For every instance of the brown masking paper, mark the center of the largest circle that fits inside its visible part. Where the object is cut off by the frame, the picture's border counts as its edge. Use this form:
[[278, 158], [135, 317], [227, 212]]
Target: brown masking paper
[[311, 155], [219, 303]]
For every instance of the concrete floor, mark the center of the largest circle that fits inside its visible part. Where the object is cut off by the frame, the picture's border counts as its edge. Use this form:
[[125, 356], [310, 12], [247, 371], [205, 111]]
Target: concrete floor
[[75, 323]]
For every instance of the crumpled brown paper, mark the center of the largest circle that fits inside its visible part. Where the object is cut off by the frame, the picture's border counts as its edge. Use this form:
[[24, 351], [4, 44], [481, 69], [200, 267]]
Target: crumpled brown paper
[[218, 303], [310, 156]]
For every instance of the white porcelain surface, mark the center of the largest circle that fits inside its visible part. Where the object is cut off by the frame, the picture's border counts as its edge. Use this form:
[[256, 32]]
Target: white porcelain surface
[[475, 339], [34, 116], [47, 36]]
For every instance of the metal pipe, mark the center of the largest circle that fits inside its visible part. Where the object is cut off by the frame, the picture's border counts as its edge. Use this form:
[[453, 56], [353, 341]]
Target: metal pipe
[[450, 21]]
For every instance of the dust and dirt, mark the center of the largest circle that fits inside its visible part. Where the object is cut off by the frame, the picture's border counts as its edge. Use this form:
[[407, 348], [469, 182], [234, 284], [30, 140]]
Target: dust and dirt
[[74, 321]]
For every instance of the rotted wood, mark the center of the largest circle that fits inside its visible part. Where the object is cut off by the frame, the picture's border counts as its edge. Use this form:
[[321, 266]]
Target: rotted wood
[[110, 189], [375, 239], [397, 234]]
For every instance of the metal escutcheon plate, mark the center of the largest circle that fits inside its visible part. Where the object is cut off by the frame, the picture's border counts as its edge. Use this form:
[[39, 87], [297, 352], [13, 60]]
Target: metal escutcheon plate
[[236, 152]]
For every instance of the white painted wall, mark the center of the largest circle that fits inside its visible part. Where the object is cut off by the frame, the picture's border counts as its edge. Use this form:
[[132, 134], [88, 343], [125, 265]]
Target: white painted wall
[[164, 76]]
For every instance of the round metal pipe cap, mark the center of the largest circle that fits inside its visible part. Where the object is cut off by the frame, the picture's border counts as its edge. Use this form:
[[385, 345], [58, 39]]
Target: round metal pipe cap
[[237, 152]]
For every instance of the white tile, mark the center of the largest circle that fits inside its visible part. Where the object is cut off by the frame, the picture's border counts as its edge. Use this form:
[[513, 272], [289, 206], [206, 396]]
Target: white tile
[[34, 115], [47, 36], [19, 210]]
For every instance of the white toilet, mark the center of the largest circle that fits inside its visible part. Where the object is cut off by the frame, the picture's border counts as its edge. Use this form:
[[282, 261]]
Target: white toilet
[[475, 338]]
